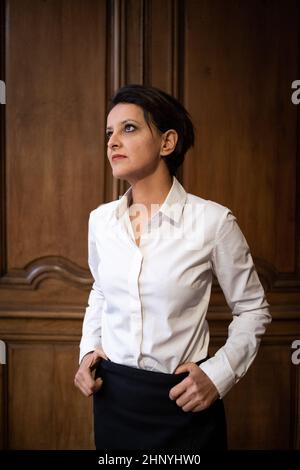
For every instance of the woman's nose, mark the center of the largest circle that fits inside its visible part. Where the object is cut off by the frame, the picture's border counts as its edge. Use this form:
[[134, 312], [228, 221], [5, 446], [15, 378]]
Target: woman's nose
[[113, 141]]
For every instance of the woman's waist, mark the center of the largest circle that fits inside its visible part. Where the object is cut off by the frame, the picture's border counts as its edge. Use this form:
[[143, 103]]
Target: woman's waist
[[132, 372]]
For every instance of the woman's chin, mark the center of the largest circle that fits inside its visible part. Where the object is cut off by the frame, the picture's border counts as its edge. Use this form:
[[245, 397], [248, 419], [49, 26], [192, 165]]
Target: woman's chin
[[121, 175]]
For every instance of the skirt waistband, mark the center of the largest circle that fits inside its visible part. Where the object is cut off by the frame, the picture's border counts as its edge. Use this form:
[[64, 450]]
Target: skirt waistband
[[141, 374]]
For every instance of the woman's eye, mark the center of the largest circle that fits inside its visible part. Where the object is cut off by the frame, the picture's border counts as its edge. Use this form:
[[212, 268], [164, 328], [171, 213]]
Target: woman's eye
[[129, 128], [108, 135]]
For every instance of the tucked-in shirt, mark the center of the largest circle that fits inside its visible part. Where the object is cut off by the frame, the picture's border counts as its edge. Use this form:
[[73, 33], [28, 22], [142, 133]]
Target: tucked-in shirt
[[148, 304]]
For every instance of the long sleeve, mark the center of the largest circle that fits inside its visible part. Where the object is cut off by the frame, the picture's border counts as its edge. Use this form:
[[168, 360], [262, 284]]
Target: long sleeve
[[234, 268], [91, 329]]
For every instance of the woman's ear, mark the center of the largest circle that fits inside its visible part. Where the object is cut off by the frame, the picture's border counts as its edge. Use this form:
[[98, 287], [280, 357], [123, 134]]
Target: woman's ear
[[169, 141]]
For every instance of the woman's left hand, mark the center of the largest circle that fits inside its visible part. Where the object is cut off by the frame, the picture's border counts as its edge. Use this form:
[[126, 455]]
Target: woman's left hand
[[196, 392]]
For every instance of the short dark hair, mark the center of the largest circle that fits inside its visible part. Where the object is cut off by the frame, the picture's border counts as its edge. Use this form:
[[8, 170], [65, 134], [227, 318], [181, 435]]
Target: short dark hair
[[165, 112]]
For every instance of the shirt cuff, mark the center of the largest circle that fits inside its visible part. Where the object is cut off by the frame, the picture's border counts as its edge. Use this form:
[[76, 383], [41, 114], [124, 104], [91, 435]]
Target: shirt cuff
[[218, 369], [88, 345]]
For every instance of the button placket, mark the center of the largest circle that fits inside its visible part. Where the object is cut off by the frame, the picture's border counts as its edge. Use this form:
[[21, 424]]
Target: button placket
[[135, 307]]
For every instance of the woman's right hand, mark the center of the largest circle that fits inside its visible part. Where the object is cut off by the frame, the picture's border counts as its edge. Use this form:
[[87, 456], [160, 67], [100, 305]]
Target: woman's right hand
[[84, 378]]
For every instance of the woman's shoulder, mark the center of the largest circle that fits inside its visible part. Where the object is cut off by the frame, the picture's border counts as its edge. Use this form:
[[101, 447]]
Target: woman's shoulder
[[210, 217], [208, 207], [103, 212]]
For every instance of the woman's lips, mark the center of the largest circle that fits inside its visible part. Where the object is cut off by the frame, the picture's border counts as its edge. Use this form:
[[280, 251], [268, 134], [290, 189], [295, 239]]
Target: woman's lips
[[117, 157]]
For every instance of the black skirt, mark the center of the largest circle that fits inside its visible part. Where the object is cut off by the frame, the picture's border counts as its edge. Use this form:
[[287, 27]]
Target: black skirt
[[132, 410]]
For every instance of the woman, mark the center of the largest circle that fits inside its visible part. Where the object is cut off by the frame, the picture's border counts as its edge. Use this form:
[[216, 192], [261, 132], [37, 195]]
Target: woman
[[152, 255]]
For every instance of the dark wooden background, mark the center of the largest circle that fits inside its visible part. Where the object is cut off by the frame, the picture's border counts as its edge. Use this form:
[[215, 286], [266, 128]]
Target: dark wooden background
[[232, 64]]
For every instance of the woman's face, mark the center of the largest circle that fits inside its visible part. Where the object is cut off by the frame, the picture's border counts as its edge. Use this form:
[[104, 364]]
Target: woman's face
[[130, 137]]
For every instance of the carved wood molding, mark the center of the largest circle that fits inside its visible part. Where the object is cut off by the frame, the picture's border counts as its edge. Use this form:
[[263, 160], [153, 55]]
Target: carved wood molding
[[65, 270], [45, 268], [37, 312]]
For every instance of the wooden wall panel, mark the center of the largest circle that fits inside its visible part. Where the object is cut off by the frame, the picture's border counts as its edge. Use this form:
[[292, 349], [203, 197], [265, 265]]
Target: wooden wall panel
[[133, 65], [73, 422], [262, 409], [30, 396], [2, 143], [240, 61], [3, 406], [261, 402], [162, 46], [53, 164], [296, 428], [232, 64], [45, 410], [55, 126]]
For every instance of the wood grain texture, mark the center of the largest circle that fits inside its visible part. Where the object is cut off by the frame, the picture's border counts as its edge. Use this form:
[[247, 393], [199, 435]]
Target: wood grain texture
[[3, 407], [55, 126], [296, 409], [45, 268], [3, 237], [260, 401], [240, 61], [43, 400], [232, 64]]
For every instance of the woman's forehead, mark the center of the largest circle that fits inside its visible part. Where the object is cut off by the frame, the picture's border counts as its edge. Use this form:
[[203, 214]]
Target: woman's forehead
[[125, 111]]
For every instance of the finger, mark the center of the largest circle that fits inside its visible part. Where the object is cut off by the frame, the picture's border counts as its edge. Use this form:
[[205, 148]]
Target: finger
[[183, 400], [196, 404], [198, 408], [95, 387], [82, 387], [97, 384], [85, 381], [86, 377], [182, 368], [179, 389], [88, 390], [188, 402], [191, 406]]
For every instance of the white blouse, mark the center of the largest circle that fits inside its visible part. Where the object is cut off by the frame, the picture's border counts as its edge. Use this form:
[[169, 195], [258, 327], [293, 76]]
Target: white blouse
[[148, 304]]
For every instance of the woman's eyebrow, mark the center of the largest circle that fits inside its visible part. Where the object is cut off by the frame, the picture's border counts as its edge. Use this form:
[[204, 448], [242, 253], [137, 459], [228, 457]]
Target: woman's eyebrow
[[124, 122]]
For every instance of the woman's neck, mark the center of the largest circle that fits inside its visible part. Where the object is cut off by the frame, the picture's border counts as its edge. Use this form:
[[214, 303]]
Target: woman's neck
[[151, 191]]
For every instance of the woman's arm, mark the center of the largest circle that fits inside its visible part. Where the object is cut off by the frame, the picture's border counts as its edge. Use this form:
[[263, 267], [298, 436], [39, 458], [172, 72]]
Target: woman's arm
[[91, 351], [234, 268], [91, 329]]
